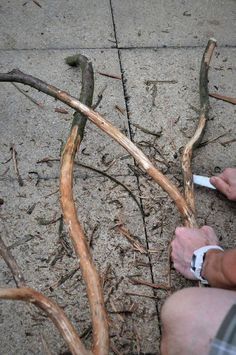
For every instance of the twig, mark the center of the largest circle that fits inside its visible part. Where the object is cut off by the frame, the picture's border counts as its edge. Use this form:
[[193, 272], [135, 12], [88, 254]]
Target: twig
[[28, 97], [12, 264], [213, 140], [149, 284], [110, 75], [86, 333], [136, 244], [61, 110], [121, 318], [53, 311], [37, 3], [46, 349], [26, 238], [113, 179], [99, 99], [105, 274], [15, 163], [37, 176], [151, 82], [44, 222], [141, 295], [90, 242], [45, 160], [145, 130], [228, 142], [174, 193], [31, 208], [196, 139], [64, 278], [231, 100], [120, 109], [90, 274], [52, 193]]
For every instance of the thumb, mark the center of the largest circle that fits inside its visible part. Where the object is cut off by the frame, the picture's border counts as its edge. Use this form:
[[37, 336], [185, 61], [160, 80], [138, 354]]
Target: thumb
[[220, 185]]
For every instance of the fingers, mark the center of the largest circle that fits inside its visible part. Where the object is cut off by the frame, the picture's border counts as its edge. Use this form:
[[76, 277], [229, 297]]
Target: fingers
[[226, 183], [210, 234], [186, 241], [220, 185], [181, 260], [185, 232], [228, 174], [193, 236]]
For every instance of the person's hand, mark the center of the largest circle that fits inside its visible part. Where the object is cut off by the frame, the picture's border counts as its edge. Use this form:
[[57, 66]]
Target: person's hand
[[185, 242], [226, 183]]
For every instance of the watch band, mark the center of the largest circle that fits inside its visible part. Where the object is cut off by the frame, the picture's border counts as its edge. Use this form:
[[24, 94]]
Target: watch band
[[198, 259]]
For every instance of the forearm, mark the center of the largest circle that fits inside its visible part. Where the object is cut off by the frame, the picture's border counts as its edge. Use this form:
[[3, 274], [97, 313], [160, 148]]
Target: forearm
[[219, 268]]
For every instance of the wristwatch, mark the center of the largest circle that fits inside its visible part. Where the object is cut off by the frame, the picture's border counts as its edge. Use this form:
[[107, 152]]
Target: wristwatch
[[198, 259]]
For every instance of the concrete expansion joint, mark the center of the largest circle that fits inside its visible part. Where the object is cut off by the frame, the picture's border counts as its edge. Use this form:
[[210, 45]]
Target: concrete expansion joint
[[127, 98]]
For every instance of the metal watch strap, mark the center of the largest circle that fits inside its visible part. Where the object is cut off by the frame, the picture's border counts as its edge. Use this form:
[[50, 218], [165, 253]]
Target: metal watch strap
[[198, 259]]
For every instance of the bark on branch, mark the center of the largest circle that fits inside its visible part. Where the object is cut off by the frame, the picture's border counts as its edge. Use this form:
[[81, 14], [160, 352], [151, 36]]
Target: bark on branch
[[90, 274], [196, 139], [174, 193], [53, 311], [185, 204]]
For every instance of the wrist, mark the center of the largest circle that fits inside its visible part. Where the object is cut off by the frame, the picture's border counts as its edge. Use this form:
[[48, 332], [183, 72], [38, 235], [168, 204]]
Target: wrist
[[212, 267], [198, 261]]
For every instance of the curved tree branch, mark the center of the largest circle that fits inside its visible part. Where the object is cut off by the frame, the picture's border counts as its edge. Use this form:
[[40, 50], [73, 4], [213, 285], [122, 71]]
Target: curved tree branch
[[95, 295], [53, 311], [90, 274], [17, 76], [196, 139]]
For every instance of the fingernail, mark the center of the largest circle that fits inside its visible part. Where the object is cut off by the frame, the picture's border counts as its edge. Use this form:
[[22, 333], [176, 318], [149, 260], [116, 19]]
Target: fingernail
[[213, 179]]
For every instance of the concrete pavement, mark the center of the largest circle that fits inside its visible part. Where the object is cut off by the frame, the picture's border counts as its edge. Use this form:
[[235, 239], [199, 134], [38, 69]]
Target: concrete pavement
[[156, 47]]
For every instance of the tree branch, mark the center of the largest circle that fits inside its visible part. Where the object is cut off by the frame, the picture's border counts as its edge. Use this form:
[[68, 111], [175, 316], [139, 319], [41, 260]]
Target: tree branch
[[95, 295], [90, 274], [196, 139], [53, 311], [17, 76]]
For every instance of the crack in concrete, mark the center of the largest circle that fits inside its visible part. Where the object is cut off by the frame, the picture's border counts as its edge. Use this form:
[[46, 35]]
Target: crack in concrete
[[126, 98], [115, 47]]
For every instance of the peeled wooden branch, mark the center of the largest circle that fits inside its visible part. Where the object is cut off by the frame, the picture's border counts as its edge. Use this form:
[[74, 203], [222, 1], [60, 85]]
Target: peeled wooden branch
[[185, 205], [95, 295], [196, 139], [53, 311], [17, 76], [90, 274], [29, 295]]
